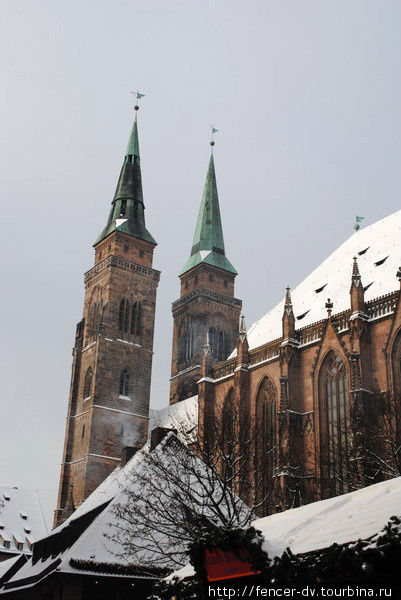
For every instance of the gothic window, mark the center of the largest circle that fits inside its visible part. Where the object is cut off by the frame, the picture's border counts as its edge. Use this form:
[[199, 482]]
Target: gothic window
[[88, 383], [93, 318], [123, 208], [227, 438], [123, 315], [265, 441], [396, 360], [124, 383], [218, 343], [186, 344], [334, 425], [136, 319]]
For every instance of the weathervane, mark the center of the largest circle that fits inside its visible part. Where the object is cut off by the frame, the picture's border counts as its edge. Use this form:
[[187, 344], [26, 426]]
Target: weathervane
[[214, 130], [358, 220], [138, 96]]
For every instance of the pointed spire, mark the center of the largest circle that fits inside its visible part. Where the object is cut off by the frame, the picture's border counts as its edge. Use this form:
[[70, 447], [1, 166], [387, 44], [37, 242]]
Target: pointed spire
[[288, 317], [127, 211], [133, 142], [357, 291], [242, 328], [208, 243]]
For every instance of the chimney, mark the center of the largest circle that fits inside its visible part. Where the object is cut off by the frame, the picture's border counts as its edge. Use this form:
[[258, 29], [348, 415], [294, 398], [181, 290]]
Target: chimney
[[158, 434], [127, 453]]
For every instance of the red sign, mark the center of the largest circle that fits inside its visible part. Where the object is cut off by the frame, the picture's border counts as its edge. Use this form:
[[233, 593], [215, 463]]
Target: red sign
[[227, 565]]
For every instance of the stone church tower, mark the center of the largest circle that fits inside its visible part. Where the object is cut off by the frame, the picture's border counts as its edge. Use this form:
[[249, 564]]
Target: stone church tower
[[207, 306], [112, 356]]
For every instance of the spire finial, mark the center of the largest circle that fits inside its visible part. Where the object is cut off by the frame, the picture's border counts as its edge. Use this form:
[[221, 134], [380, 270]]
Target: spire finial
[[242, 326], [288, 301], [206, 346], [138, 96], [213, 130], [329, 307]]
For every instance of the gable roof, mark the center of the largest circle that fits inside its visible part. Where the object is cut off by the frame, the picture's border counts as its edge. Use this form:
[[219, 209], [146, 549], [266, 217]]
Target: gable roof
[[83, 544], [378, 250]]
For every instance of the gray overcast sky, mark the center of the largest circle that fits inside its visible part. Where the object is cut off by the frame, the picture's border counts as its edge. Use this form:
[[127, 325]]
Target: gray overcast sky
[[306, 94]]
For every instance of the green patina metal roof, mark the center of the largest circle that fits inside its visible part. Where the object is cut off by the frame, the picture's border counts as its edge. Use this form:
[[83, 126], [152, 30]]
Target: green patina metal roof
[[208, 243], [127, 209]]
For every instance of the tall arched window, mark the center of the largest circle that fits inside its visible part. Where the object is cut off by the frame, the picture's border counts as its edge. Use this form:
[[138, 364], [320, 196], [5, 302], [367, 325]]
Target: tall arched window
[[123, 315], [228, 438], [186, 344], [334, 425], [396, 360], [218, 343], [136, 319], [265, 442], [124, 383], [88, 383]]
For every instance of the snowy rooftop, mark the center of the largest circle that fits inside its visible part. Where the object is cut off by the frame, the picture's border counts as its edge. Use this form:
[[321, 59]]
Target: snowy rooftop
[[378, 250], [21, 520], [93, 547], [358, 515], [182, 416], [343, 519]]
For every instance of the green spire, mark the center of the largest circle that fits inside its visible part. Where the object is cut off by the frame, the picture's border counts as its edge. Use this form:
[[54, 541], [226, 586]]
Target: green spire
[[208, 243], [128, 210]]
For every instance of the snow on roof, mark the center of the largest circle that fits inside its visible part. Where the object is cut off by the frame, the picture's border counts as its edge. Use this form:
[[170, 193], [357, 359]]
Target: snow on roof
[[378, 250], [181, 416], [92, 546], [342, 519], [20, 510]]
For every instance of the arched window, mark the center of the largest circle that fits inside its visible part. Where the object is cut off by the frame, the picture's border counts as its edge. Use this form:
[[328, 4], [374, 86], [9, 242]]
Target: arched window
[[228, 439], [334, 425], [136, 319], [396, 360], [88, 383], [124, 383], [123, 315], [186, 344], [265, 442], [218, 343]]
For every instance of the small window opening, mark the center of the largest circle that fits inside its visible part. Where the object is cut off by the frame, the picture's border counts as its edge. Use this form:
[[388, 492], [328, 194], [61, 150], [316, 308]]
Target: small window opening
[[6, 496], [141, 253], [380, 262], [23, 515], [320, 289], [210, 277], [83, 432], [27, 530], [363, 251], [303, 315], [225, 283], [125, 247], [123, 208]]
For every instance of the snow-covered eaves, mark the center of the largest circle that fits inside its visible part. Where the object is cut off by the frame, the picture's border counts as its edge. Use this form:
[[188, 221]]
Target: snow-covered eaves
[[378, 251], [341, 520], [21, 520]]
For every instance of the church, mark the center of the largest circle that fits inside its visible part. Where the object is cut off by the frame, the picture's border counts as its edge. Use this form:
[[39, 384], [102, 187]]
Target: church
[[306, 388]]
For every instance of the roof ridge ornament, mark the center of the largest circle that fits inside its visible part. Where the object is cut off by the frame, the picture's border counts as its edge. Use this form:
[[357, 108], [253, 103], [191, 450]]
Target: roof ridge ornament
[[329, 307]]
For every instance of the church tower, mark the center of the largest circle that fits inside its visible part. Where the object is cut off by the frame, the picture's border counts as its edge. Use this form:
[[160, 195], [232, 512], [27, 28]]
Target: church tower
[[112, 356], [207, 306]]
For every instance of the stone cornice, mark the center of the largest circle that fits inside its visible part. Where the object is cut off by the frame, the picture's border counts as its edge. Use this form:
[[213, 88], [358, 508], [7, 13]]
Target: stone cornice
[[205, 293], [120, 263]]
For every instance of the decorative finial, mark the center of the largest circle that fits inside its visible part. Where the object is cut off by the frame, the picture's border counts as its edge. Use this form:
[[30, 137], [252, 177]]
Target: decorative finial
[[206, 347], [355, 270], [138, 96], [287, 296], [242, 327], [214, 130], [358, 220], [329, 307]]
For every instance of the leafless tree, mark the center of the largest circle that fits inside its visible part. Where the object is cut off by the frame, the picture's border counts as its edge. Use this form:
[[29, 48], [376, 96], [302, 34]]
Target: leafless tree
[[190, 484]]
